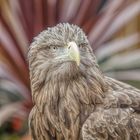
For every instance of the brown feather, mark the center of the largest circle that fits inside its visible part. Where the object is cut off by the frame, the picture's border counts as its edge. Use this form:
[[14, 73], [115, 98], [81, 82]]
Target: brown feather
[[77, 102]]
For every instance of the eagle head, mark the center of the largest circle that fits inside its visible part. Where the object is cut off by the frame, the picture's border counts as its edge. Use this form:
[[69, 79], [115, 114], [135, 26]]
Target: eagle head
[[61, 52]]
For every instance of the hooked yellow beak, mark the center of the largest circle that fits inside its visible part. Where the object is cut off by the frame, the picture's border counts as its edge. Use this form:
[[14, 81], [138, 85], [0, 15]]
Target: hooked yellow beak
[[73, 52]]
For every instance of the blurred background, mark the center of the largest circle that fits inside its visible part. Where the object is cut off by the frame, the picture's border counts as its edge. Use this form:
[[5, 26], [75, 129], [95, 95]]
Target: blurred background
[[112, 27]]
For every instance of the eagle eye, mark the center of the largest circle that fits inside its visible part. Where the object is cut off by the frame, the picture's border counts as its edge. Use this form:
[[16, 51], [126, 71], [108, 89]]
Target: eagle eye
[[54, 47]]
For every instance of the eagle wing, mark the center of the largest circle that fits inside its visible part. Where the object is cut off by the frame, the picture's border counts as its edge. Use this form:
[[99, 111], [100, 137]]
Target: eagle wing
[[119, 116]]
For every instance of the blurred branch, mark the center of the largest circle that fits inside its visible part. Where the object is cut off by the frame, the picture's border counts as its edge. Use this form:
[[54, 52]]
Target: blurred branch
[[133, 75], [123, 18], [117, 45], [122, 61], [104, 22], [14, 23]]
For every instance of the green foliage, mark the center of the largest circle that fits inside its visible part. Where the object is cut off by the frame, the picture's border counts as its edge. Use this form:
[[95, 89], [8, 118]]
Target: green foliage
[[9, 137]]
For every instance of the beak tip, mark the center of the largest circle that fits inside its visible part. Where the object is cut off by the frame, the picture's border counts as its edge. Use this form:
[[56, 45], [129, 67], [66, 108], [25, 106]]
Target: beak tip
[[78, 63]]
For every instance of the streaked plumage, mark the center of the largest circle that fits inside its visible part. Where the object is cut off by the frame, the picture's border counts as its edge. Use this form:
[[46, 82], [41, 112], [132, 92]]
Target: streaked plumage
[[77, 102]]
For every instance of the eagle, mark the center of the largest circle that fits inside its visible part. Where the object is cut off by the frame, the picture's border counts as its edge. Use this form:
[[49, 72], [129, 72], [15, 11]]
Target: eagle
[[73, 99]]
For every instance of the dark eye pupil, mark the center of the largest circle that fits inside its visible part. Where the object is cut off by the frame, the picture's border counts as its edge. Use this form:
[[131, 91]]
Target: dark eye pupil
[[54, 48]]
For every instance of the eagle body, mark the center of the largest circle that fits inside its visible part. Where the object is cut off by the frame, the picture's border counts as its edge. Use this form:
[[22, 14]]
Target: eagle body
[[72, 98]]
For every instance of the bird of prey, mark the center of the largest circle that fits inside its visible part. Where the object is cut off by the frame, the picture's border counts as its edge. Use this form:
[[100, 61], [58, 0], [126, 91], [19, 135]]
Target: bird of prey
[[73, 99]]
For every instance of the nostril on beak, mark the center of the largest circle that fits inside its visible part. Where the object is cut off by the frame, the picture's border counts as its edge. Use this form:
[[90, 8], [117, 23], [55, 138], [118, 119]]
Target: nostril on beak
[[69, 47]]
